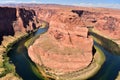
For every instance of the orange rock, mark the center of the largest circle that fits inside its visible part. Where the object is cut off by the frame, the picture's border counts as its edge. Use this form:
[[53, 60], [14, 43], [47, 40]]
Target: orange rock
[[66, 46]]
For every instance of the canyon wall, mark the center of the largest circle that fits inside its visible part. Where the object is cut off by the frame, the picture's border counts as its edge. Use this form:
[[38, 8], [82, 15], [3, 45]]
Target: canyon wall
[[13, 20], [15, 23], [7, 17], [106, 22], [67, 47]]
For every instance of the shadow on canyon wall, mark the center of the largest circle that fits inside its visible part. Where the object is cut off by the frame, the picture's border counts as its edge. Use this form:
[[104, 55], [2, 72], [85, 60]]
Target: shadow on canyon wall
[[8, 16], [27, 15]]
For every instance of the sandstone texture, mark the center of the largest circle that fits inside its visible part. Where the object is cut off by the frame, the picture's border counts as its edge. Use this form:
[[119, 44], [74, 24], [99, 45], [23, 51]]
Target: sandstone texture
[[14, 20], [66, 46], [62, 51], [107, 21], [15, 24]]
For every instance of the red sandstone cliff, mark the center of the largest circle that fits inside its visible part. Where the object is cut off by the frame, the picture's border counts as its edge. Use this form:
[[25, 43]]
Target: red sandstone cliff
[[107, 21], [13, 20], [66, 47]]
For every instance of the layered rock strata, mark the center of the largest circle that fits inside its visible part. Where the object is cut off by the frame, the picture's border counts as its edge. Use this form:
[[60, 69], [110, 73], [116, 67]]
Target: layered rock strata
[[62, 51], [13, 20], [65, 47], [107, 21], [15, 23]]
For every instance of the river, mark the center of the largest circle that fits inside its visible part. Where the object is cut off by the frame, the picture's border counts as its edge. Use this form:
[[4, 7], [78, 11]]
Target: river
[[110, 68], [28, 71], [19, 57]]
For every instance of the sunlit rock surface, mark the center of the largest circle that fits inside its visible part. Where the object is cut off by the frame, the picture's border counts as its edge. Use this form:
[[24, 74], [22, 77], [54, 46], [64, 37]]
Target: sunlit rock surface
[[65, 47]]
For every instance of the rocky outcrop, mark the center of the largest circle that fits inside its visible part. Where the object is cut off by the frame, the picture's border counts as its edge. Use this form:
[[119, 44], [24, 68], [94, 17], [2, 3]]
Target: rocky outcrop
[[26, 16], [14, 25], [7, 16], [62, 50], [106, 27], [65, 47], [108, 24], [13, 20]]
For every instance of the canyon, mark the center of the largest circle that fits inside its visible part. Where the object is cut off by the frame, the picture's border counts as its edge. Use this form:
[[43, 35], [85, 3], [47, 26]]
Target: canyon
[[15, 24], [67, 44], [15, 20], [67, 48]]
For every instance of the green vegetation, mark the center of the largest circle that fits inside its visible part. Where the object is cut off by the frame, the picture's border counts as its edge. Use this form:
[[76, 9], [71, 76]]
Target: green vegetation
[[83, 74], [90, 70], [44, 24], [30, 41], [106, 42], [98, 60], [99, 56], [36, 72], [34, 67], [110, 44], [7, 69], [47, 76]]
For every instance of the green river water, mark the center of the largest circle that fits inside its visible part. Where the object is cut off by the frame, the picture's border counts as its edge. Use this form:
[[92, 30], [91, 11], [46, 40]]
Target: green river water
[[28, 71]]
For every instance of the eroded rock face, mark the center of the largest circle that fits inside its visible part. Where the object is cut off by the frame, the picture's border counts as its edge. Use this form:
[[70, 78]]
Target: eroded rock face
[[7, 16], [66, 46], [107, 22], [109, 26], [14, 20], [26, 16], [62, 51]]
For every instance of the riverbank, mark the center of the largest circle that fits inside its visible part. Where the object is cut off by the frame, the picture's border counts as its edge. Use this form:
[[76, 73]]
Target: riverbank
[[7, 68], [110, 44], [90, 70], [57, 66], [42, 30], [83, 74]]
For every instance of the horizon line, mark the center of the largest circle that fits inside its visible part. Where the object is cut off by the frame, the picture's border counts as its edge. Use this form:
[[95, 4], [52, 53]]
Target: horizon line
[[76, 5]]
